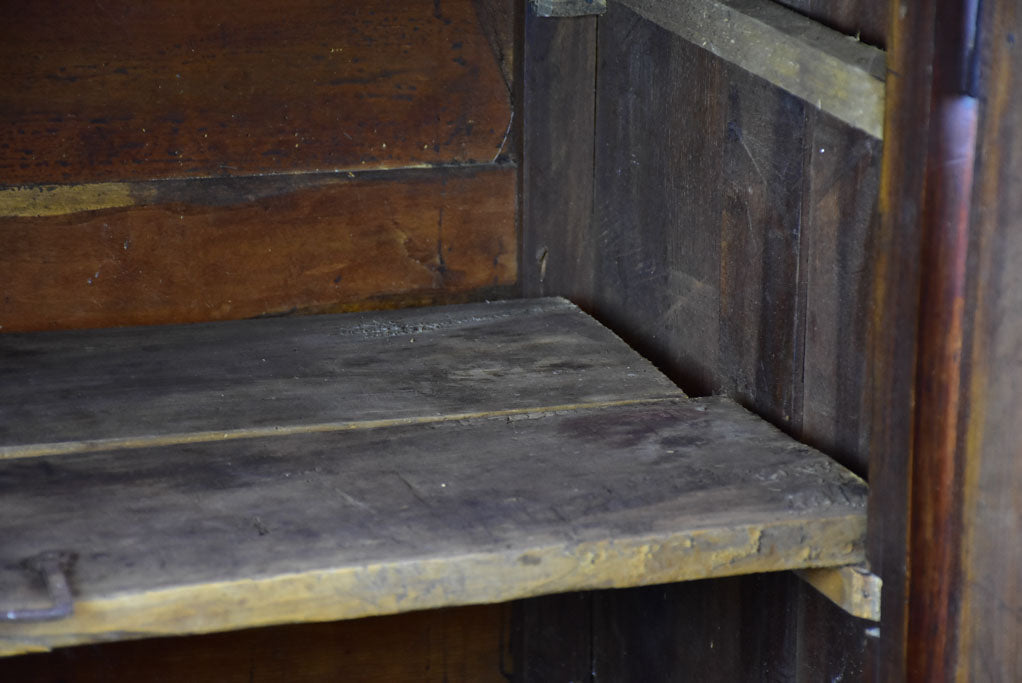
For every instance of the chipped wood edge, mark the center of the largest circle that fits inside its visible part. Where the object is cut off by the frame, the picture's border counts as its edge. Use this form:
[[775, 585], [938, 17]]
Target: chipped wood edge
[[835, 73], [497, 575], [569, 8], [854, 588]]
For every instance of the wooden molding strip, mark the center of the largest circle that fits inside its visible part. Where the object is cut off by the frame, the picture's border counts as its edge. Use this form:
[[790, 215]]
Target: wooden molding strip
[[836, 73]]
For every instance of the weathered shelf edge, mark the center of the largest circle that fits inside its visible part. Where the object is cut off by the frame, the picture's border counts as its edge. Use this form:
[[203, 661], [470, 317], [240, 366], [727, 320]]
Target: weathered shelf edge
[[830, 71], [486, 577]]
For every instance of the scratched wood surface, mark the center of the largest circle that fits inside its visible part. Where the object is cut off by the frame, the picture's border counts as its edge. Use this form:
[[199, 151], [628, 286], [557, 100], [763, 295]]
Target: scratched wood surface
[[210, 249], [315, 527], [79, 391], [235, 88]]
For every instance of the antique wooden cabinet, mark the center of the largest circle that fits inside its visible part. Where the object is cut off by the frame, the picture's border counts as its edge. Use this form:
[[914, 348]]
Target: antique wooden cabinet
[[790, 222]]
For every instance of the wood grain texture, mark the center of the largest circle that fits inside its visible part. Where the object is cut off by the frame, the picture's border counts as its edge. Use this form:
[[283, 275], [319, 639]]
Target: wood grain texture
[[655, 239], [989, 620], [235, 88], [865, 19], [729, 646], [465, 644], [761, 224], [558, 109], [821, 67], [208, 249], [840, 222], [73, 392], [913, 357], [652, 267], [316, 527]]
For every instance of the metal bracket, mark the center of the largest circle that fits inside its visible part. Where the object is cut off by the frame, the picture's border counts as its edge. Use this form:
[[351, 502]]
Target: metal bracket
[[569, 8], [852, 588], [53, 566]]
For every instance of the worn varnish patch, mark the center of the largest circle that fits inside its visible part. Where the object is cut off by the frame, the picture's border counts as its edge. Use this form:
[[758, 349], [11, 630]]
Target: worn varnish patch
[[234, 88], [212, 249]]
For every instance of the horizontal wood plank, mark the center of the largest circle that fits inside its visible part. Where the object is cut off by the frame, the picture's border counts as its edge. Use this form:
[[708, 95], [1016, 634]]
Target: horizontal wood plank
[[830, 71], [164, 252], [125, 90], [317, 527], [456, 645], [71, 392]]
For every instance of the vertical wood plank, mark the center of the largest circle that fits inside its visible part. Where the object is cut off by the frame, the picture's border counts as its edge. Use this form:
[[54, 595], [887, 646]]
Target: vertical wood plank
[[759, 262], [551, 638], [840, 223], [558, 101], [990, 617], [660, 117], [892, 327]]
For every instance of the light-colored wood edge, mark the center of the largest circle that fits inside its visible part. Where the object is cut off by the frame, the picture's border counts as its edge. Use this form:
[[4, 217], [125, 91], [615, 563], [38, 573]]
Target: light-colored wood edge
[[36, 450], [484, 577], [569, 8], [835, 73], [854, 589]]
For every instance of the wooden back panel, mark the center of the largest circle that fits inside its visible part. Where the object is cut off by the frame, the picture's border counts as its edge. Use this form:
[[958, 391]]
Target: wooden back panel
[[176, 162]]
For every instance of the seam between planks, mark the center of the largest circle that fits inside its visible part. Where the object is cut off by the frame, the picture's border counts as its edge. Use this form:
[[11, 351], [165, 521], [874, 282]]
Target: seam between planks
[[37, 450]]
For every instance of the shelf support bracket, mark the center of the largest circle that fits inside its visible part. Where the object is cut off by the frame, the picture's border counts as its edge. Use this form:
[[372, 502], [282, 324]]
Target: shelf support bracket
[[853, 588]]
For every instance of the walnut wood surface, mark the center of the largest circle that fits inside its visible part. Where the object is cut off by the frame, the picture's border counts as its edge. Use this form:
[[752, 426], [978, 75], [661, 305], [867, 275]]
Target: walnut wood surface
[[242, 87], [98, 255]]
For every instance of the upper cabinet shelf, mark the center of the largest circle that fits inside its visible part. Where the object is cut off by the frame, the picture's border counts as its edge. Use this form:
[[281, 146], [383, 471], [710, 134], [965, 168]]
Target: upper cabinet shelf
[[231, 475]]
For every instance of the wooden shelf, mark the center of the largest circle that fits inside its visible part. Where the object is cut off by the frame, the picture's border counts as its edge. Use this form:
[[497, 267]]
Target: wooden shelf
[[215, 477]]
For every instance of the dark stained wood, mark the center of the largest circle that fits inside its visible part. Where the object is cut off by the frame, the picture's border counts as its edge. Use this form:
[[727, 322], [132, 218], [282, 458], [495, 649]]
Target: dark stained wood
[[498, 19], [78, 391], [315, 527], [797, 55], [466, 644], [184, 251], [916, 336], [867, 20], [839, 222], [761, 189], [830, 642], [989, 619], [558, 110], [552, 638], [234, 88], [654, 266], [656, 228]]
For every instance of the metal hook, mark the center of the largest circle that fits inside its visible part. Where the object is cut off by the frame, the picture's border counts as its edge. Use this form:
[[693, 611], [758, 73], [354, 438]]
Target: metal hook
[[53, 565]]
